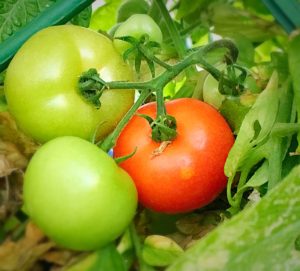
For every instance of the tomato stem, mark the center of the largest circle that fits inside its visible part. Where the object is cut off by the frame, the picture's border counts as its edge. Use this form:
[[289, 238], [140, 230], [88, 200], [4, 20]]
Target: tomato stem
[[138, 248], [164, 126], [174, 33], [110, 141], [161, 108], [151, 56], [196, 56]]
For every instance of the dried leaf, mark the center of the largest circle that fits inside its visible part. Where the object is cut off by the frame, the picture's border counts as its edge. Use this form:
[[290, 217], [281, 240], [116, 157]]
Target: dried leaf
[[204, 230], [10, 158], [58, 257], [190, 224], [181, 239], [23, 254], [194, 224], [9, 132], [10, 194], [15, 150]]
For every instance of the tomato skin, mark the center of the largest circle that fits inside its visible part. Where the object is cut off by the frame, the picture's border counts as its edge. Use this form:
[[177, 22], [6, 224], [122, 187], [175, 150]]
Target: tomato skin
[[190, 172], [41, 84], [136, 26], [211, 94], [131, 7], [77, 194]]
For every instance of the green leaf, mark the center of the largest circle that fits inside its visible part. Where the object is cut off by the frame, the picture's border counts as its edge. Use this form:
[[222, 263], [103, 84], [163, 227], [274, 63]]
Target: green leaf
[[2, 77], [255, 127], [109, 259], [121, 159], [3, 103], [162, 223], [290, 161], [125, 248], [262, 237], [279, 145], [83, 18], [273, 148], [16, 13], [246, 49], [84, 264], [234, 112], [294, 66], [194, 11], [227, 19], [259, 178], [160, 250], [187, 7], [256, 6], [279, 61], [105, 17]]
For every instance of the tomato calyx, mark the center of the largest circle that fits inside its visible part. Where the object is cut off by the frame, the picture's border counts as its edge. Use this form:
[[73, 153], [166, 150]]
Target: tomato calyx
[[91, 87], [163, 127], [142, 49], [121, 159], [237, 76]]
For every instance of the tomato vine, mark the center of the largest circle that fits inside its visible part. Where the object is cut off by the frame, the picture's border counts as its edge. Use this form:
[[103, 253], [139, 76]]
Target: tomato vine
[[91, 87]]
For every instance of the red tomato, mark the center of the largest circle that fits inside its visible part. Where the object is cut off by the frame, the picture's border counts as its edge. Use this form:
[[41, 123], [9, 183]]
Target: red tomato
[[189, 173]]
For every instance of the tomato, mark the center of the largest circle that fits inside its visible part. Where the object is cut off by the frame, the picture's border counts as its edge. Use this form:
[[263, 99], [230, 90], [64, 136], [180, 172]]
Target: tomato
[[189, 173], [136, 26], [211, 94], [77, 194], [41, 84], [131, 7]]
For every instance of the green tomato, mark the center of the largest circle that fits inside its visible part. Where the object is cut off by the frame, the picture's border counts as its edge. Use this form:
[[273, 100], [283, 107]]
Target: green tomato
[[77, 194], [211, 94], [131, 7], [136, 26], [41, 84]]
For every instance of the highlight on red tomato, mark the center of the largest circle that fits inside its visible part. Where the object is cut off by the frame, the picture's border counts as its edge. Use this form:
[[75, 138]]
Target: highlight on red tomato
[[77, 195], [189, 172], [41, 84]]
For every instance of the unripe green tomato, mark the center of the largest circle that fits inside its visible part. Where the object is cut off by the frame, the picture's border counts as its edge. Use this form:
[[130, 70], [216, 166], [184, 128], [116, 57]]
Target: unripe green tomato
[[211, 94], [77, 194], [130, 7], [41, 84], [136, 26]]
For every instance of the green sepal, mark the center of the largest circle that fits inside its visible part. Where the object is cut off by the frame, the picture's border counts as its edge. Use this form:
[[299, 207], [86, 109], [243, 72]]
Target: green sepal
[[121, 159], [91, 87], [141, 49], [163, 127]]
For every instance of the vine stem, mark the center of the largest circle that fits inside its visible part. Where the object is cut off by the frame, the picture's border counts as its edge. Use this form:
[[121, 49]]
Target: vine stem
[[196, 56], [151, 56], [161, 108], [157, 84], [138, 248], [174, 33], [110, 141]]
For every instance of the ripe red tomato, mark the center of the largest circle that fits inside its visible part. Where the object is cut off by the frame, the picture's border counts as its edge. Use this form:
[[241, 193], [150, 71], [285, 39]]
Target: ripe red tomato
[[189, 173]]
